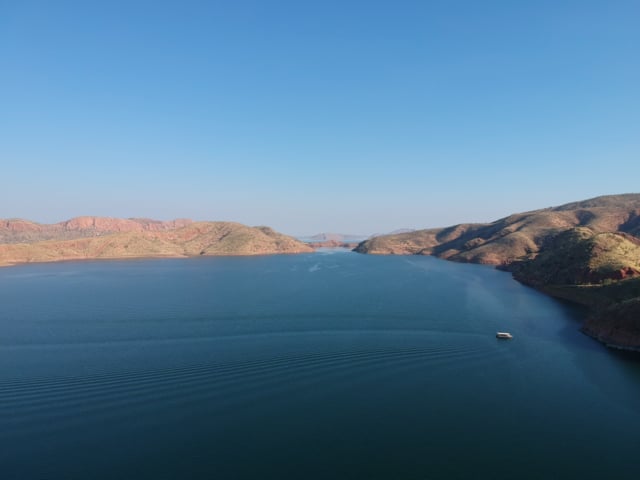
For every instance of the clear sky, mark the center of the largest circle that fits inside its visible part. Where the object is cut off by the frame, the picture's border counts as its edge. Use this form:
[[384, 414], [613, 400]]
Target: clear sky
[[310, 116]]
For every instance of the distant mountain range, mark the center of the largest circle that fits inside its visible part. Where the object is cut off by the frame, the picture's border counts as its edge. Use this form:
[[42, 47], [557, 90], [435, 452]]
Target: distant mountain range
[[334, 237], [23, 241], [587, 252], [395, 232], [342, 240], [333, 240]]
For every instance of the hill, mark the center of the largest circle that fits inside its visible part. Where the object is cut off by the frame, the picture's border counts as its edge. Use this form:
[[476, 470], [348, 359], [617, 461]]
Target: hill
[[598, 270], [18, 230], [515, 237], [581, 256], [93, 238]]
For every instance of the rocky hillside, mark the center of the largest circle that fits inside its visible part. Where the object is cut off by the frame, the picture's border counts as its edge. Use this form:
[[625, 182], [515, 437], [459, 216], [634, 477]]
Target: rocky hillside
[[581, 256], [598, 270], [333, 244], [25, 231], [515, 237], [93, 238]]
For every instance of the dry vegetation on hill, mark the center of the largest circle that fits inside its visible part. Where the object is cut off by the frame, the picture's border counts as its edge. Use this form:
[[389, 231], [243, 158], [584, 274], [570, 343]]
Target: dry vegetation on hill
[[514, 237], [94, 238], [582, 257], [24, 231]]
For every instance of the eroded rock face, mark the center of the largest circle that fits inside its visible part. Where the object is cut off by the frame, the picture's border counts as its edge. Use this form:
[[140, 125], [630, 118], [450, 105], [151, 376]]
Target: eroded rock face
[[19, 226], [625, 273]]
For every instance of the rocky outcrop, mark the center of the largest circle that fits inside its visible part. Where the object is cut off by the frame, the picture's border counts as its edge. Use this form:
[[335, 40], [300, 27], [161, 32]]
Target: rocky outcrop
[[148, 238]]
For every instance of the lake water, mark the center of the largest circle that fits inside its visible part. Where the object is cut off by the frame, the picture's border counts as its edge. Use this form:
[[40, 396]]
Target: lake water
[[329, 365]]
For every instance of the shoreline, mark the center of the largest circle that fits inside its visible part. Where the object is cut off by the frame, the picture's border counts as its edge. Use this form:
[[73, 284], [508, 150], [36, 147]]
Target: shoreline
[[608, 344], [568, 293], [142, 257]]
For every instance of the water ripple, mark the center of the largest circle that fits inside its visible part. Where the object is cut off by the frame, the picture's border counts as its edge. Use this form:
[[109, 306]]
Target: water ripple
[[25, 402]]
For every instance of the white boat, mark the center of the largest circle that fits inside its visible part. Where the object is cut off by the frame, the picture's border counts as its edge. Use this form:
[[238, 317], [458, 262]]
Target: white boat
[[505, 335]]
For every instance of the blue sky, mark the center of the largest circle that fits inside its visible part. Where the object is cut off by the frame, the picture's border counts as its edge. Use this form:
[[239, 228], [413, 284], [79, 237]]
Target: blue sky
[[349, 116]]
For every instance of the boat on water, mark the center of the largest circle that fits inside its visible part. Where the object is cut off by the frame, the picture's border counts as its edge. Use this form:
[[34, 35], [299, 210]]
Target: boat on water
[[504, 335]]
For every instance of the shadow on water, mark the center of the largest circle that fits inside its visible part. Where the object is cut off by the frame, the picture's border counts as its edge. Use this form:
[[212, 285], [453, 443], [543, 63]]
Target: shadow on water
[[614, 372], [576, 315], [629, 356]]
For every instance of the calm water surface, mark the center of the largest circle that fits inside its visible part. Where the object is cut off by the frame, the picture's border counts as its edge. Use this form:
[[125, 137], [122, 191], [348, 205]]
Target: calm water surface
[[327, 365]]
